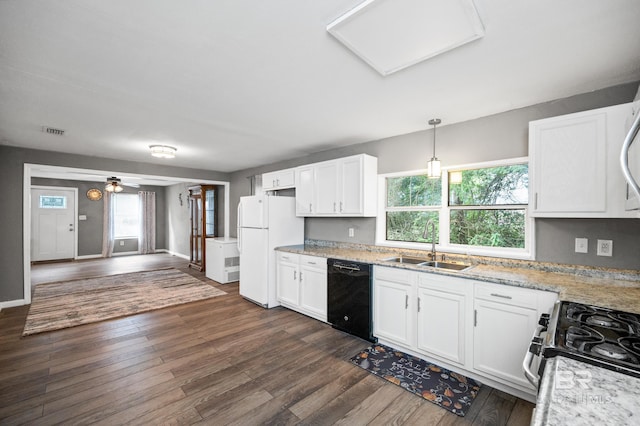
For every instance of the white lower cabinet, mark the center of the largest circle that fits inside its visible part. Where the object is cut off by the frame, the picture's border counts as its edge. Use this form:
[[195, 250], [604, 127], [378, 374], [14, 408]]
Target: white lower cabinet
[[442, 316], [504, 320], [302, 284], [394, 305], [313, 286], [481, 329]]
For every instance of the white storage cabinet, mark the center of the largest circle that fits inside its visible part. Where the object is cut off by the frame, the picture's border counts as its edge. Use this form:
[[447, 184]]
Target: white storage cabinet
[[223, 260]]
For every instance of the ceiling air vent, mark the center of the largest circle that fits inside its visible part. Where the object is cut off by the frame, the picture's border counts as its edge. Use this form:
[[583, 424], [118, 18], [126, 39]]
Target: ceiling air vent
[[53, 131]]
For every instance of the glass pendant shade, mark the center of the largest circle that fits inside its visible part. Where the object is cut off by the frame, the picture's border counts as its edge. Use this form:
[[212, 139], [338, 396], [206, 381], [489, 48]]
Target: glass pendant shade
[[433, 168]]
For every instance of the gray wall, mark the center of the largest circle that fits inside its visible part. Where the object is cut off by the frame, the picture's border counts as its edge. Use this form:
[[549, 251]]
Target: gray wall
[[12, 161], [495, 137], [556, 240], [90, 230]]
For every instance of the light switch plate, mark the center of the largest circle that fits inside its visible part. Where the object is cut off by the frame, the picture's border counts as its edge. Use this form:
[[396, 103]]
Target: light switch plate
[[582, 245], [605, 248]]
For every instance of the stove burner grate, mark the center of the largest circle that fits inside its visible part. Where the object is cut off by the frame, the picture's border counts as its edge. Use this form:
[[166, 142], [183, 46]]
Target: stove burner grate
[[631, 344], [614, 352]]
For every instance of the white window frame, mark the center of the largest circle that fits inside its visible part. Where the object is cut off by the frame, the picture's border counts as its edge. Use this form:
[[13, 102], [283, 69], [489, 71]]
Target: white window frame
[[444, 213]]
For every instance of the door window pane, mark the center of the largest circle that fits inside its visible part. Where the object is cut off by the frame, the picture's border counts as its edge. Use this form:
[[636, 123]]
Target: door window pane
[[53, 202]]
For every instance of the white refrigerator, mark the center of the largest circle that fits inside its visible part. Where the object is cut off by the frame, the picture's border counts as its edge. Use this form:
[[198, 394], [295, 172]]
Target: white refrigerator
[[264, 223]]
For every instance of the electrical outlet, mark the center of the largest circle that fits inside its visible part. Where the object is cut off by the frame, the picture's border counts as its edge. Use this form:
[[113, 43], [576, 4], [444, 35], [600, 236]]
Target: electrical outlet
[[351, 232], [605, 248], [582, 245]]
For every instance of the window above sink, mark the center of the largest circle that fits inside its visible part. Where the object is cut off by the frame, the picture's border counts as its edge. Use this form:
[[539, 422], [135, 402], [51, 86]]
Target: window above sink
[[479, 209]]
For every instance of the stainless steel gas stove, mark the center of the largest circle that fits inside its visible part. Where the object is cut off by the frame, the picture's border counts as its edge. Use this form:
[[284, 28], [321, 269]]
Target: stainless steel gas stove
[[592, 334]]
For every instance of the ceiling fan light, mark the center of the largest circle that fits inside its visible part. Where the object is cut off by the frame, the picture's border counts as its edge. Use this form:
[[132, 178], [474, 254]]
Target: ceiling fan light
[[163, 151], [113, 187]]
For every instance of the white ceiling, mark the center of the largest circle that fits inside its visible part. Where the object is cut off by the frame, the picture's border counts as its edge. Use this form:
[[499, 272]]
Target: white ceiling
[[240, 83]]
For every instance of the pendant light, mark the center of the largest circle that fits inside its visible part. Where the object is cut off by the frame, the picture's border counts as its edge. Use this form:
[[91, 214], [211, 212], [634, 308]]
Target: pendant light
[[433, 166]]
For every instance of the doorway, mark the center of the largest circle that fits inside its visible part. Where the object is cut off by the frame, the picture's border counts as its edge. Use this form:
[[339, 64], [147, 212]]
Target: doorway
[[53, 223]]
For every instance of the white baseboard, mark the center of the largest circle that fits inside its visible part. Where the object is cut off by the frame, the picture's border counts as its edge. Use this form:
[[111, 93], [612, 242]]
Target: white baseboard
[[124, 253], [89, 256], [12, 303]]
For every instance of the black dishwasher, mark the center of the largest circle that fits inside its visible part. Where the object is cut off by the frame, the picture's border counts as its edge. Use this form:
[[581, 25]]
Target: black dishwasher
[[349, 297]]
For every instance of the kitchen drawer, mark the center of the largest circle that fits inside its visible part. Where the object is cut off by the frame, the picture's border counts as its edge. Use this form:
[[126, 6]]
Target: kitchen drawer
[[313, 261], [394, 274], [288, 257], [508, 295]]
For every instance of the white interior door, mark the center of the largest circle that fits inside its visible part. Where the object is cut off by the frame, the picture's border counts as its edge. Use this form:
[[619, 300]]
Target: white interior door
[[53, 225]]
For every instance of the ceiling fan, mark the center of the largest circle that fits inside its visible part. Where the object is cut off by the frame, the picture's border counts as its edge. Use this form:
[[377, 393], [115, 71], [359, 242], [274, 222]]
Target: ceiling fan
[[114, 184]]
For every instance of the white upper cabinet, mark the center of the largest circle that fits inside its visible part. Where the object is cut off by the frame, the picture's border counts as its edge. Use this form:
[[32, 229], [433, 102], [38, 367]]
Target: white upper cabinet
[[281, 179], [305, 192], [343, 187], [574, 166]]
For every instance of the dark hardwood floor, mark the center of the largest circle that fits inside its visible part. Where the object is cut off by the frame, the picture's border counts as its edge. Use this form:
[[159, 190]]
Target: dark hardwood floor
[[218, 361]]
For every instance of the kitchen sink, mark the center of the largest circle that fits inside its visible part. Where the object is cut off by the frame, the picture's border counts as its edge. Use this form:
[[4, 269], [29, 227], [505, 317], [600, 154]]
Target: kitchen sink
[[446, 265], [405, 259], [452, 266]]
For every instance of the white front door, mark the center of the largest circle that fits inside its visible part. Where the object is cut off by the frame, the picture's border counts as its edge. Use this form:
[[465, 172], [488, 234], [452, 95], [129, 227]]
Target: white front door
[[53, 225]]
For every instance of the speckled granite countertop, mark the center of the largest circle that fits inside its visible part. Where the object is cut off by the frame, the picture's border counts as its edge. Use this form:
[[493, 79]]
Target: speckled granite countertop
[[611, 288], [575, 393]]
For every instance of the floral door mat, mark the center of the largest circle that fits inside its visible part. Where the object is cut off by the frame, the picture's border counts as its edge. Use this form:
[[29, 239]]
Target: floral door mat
[[451, 391]]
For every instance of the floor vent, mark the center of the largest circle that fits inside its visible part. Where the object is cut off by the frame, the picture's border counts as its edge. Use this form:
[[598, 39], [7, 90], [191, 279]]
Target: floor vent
[[53, 131]]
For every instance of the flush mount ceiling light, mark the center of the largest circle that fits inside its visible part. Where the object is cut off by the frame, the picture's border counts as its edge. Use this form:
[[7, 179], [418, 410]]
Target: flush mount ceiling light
[[163, 151], [433, 166], [113, 185], [391, 35]]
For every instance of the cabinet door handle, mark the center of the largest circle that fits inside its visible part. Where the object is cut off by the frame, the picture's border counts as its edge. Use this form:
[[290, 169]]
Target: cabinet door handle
[[340, 206], [406, 301], [285, 257], [311, 263], [418, 304], [310, 209], [277, 182], [273, 182], [535, 201], [501, 296], [475, 317], [300, 275], [334, 207], [295, 275]]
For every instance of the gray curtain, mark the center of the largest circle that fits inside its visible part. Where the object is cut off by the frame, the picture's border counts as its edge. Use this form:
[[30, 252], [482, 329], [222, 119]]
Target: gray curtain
[[147, 238], [107, 228]]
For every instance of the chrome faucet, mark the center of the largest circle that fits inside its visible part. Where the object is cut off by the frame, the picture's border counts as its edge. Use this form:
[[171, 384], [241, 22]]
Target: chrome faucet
[[425, 235]]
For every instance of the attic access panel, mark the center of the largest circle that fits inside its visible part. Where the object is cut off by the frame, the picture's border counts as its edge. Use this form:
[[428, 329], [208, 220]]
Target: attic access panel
[[391, 35]]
